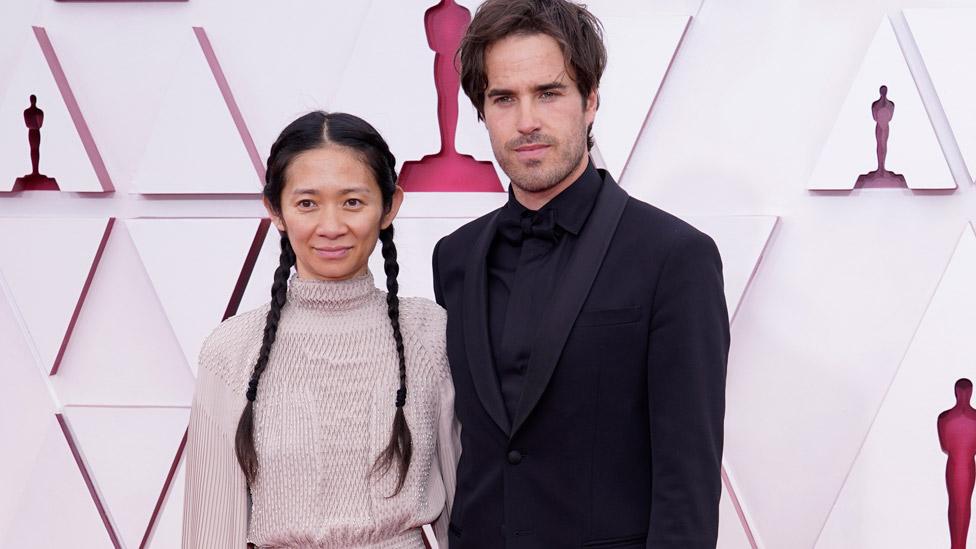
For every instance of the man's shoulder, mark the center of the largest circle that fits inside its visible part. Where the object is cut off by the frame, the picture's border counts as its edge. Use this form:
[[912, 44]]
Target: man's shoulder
[[644, 220]]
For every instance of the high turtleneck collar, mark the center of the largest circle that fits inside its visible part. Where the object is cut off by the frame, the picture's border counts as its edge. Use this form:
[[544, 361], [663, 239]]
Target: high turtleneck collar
[[336, 295]]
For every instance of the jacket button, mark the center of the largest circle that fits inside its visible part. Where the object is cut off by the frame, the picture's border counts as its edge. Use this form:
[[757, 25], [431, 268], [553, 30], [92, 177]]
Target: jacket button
[[514, 457]]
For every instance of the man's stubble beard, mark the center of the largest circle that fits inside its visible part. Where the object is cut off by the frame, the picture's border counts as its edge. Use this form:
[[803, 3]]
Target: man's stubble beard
[[532, 178]]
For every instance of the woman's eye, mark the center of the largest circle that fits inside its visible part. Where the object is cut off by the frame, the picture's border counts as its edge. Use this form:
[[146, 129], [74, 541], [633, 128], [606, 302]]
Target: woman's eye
[[354, 202], [306, 203]]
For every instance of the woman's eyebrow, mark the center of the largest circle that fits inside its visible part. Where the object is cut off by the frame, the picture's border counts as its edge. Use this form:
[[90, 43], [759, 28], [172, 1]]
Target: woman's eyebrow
[[354, 190], [304, 191]]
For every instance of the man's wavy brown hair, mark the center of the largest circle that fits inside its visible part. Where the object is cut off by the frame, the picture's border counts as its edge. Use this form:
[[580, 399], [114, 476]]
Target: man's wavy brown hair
[[578, 32]]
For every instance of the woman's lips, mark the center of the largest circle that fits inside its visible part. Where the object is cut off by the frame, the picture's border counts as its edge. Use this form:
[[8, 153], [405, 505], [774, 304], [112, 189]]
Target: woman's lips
[[332, 252]]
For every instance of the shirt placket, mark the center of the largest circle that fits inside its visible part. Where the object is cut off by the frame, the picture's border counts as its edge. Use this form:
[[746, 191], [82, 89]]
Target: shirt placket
[[522, 317]]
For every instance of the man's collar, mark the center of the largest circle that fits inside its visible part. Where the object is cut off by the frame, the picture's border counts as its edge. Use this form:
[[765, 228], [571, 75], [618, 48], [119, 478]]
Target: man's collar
[[573, 205]]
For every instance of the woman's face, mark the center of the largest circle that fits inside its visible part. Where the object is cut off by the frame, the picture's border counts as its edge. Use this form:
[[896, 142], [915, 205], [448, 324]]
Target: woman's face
[[332, 211]]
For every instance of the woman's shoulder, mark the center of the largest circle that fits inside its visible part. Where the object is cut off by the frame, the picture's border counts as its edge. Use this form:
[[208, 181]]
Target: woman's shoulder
[[424, 323], [231, 348], [423, 312]]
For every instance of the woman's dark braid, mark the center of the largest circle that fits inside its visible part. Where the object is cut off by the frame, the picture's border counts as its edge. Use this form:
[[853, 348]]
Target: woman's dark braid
[[246, 454], [400, 447], [392, 269], [279, 294]]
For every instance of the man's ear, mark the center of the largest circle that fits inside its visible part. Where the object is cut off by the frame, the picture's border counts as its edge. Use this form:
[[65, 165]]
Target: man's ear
[[275, 216], [592, 104], [394, 208]]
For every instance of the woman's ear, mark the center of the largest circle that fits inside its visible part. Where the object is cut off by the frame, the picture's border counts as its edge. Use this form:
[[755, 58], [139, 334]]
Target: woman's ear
[[275, 216], [390, 215]]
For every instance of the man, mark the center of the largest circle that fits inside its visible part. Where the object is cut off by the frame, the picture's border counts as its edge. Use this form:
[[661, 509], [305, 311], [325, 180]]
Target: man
[[587, 331]]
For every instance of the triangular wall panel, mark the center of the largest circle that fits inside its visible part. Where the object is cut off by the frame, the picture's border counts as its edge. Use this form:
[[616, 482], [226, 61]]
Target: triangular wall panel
[[17, 18], [67, 150], [406, 118], [895, 494], [640, 51], [194, 265], [741, 241], [47, 289], [913, 149], [195, 146], [731, 531], [943, 37], [285, 43], [128, 468], [123, 350], [168, 530], [27, 403], [814, 345], [58, 498], [258, 290]]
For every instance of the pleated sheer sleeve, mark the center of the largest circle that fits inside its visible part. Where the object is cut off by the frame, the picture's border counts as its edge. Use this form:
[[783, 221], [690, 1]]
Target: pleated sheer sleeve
[[448, 453], [215, 510]]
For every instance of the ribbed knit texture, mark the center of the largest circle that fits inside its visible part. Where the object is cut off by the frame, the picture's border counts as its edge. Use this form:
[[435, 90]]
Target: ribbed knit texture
[[324, 411]]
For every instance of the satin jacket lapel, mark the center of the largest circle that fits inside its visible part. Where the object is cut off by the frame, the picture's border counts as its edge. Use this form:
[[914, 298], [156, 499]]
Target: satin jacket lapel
[[568, 297], [476, 339]]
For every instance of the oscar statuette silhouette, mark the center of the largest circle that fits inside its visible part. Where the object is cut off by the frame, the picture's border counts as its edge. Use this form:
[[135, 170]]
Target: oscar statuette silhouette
[[957, 435], [882, 110], [35, 181], [447, 170]]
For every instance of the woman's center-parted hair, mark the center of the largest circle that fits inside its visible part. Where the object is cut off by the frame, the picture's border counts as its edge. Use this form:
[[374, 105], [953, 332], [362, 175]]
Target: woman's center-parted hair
[[310, 131]]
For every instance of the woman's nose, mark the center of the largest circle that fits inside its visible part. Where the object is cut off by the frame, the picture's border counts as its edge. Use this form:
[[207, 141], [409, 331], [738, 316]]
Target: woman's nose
[[331, 225]]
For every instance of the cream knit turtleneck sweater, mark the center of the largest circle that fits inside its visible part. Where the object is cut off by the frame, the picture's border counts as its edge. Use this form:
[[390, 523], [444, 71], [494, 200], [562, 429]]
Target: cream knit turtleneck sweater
[[324, 411]]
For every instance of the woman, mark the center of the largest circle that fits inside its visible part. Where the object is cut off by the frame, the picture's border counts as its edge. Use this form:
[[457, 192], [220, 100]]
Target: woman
[[326, 417]]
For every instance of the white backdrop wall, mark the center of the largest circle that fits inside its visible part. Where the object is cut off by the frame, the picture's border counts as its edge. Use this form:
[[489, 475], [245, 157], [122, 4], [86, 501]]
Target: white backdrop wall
[[851, 309]]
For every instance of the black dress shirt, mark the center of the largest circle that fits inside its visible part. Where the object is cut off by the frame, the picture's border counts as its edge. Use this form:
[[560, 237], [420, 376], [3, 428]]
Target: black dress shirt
[[524, 264]]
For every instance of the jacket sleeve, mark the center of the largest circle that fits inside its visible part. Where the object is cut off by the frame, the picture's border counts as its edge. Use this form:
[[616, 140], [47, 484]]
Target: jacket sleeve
[[686, 365], [438, 291], [215, 510]]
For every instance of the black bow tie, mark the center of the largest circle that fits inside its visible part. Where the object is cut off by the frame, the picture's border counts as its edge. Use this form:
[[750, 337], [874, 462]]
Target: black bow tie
[[541, 225]]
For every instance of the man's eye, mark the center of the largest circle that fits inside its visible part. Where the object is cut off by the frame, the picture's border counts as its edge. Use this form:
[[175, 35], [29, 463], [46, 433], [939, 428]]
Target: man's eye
[[354, 202], [503, 99], [306, 203], [549, 95]]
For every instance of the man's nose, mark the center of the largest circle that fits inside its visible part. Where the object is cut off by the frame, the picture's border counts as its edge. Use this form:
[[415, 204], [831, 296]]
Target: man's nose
[[528, 119]]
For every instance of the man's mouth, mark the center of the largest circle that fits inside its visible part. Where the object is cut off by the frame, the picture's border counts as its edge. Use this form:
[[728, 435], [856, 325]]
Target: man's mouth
[[531, 152]]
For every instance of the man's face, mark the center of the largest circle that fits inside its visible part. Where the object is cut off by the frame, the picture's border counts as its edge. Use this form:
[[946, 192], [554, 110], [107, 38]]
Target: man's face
[[536, 118]]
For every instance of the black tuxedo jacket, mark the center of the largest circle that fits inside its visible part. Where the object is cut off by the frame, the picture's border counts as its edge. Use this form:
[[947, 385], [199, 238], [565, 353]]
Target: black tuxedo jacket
[[617, 441]]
